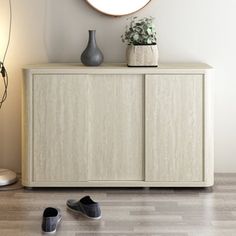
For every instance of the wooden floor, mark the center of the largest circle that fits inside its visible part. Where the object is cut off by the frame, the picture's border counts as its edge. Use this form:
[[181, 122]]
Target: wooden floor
[[139, 212]]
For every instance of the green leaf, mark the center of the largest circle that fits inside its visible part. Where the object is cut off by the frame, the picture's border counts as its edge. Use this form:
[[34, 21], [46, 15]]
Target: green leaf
[[149, 41], [149, 31], [136, 37], [140, 31]]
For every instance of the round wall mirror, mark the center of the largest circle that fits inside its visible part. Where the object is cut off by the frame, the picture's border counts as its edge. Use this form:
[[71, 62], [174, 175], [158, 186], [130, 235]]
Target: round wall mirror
[[118, 7]]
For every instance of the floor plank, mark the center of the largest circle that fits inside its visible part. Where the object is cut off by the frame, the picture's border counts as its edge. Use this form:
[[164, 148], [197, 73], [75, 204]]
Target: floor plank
[[127, 211]]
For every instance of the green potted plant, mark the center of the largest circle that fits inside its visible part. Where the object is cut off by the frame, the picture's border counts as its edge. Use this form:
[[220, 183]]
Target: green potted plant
[[140, 35]]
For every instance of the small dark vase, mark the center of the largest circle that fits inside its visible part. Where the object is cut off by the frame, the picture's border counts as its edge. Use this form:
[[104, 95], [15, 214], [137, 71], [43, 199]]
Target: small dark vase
[[92, 55]]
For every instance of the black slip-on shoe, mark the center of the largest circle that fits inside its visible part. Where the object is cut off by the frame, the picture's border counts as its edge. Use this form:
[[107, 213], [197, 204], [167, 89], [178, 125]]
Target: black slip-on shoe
[[51, 219], [85, 206]]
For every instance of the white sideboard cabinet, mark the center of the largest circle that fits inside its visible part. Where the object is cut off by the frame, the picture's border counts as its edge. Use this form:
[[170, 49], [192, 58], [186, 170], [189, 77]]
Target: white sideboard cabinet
[[113, 126]]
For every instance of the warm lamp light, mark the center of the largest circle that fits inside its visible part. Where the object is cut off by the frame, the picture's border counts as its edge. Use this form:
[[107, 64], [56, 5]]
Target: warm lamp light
[[6, 176]]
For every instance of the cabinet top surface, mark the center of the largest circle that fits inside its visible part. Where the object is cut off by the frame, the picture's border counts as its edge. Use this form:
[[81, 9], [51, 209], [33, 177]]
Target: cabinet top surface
[[117, 67]]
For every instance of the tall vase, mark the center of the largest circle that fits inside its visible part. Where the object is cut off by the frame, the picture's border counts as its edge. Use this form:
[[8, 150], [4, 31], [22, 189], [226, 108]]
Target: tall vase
[[92, 55]]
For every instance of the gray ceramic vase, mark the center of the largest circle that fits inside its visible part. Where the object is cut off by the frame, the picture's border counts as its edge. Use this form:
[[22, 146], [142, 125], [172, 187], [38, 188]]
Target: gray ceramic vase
[[92, 55]]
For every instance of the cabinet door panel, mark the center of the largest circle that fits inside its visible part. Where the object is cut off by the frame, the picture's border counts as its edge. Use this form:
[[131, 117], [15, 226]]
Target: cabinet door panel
[[174, 128], [116, 127], [60, 128]]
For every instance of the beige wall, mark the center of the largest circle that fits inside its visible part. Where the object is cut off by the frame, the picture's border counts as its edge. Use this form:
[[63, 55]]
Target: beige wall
[[56, 31]]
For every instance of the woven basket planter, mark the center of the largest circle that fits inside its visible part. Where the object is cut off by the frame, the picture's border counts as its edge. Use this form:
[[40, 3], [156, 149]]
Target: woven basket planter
[[142, 55]]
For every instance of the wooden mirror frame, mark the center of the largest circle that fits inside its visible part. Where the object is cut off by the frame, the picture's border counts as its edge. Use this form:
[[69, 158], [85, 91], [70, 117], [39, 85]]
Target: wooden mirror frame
[[146, 2]]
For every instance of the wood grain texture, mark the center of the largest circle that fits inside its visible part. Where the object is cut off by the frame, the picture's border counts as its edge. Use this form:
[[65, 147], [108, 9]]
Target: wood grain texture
[[142, 55], [26, 126], [118, 68], [127, 212], [118, 183], [116, 127], [99, 102], [209, 127], [174, 128], [59, 128]]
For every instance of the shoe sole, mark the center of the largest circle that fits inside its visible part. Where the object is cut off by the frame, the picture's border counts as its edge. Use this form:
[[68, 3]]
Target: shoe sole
[[81, 213], [53, 232]]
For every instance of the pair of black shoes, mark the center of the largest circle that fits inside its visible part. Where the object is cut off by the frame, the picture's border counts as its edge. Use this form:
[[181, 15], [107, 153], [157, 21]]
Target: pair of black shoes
[[85, 206]]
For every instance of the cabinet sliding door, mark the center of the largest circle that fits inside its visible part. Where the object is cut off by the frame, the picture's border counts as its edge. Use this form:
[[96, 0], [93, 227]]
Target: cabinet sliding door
[[174, 128], [59, 128], [116, 127]]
